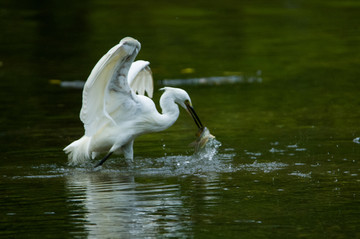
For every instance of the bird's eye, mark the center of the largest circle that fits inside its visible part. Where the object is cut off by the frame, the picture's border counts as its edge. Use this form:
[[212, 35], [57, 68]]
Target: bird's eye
[[187, 102]]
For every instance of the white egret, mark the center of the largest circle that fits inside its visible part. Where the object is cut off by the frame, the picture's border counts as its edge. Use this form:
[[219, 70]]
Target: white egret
[[114, 115]]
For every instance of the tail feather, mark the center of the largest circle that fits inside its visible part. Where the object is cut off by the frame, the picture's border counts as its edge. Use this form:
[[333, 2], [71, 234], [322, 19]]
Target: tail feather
[[78, 151]]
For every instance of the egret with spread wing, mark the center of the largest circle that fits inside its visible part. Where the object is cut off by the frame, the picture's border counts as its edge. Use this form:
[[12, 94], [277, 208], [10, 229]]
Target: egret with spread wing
[[114, 115]]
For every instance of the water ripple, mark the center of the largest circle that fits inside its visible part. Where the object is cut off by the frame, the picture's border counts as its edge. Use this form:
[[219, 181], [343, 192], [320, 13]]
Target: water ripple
[[203, 163]]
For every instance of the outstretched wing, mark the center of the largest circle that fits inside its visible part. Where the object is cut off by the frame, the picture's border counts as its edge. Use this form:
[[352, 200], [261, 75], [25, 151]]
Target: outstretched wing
[[107, 87], [140, 78]]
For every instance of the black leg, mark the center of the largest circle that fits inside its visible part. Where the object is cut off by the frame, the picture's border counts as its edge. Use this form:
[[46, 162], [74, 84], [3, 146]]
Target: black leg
[[103, 160]]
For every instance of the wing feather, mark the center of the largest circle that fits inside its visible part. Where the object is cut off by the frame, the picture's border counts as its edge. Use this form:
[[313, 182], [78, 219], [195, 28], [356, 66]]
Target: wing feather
[[107, 80], [140, 78]]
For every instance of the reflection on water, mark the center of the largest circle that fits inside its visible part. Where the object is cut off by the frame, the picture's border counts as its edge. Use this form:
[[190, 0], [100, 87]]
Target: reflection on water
[[116, 206], [176, 196], [135, 201], [214, 80], [122, 203]]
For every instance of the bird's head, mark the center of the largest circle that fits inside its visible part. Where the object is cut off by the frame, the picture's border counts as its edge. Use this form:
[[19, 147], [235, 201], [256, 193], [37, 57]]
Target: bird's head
[[182, 98]]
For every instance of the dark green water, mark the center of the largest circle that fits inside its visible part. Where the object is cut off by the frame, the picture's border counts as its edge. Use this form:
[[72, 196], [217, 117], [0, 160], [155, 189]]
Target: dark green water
[[288, 164]]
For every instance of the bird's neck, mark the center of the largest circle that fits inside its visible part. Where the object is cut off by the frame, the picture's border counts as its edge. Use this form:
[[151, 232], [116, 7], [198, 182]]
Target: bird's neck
[[170, 111]]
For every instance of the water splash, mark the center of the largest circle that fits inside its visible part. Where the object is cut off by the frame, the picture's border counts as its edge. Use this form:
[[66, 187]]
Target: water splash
[[210, 159], [210, 150], [207, 161]]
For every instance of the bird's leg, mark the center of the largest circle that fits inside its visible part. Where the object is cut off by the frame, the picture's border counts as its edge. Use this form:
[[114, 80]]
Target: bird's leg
[[128, 151], [103, 160]]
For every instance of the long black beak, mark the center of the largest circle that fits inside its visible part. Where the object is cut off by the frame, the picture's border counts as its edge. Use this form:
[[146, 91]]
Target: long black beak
[[194, 116]]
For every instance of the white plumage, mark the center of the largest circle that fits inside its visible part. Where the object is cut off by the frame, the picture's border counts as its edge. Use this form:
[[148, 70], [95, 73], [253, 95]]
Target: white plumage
[[113, 114]]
